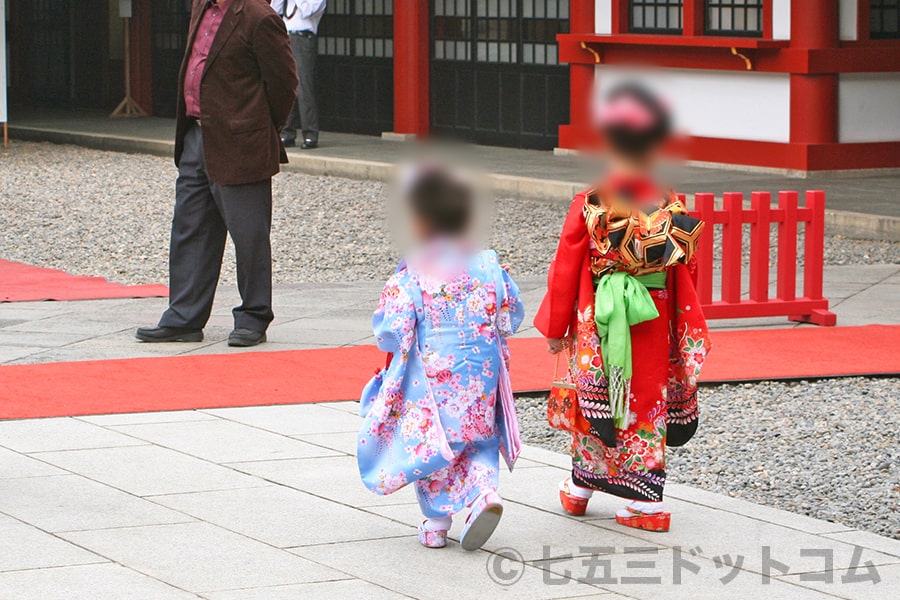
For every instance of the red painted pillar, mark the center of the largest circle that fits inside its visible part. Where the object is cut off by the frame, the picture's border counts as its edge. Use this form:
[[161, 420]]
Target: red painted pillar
[[814, 98], [141, 49], [581, 80], [693, 17], [411, 67]]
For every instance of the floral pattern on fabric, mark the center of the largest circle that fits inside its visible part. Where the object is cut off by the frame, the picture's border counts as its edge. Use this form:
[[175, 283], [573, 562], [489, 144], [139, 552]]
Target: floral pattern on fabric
[[438, 397], [632, 463], [474, 471], [668, 353], [689, 345]]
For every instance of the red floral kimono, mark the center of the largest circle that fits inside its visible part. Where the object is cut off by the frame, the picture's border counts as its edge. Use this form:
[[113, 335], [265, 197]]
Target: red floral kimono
[[602, 236]]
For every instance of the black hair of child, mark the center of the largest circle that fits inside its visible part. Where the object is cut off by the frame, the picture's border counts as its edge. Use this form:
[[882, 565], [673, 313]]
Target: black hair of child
[[637, 142], [442, 202]]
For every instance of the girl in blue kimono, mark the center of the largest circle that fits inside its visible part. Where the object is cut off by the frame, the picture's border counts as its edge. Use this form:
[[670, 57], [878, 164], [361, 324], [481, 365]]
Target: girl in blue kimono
[[440, 414]]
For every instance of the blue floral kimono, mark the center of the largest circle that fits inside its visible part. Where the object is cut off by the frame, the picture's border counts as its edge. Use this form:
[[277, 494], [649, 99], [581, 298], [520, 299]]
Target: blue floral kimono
[[442, 411]]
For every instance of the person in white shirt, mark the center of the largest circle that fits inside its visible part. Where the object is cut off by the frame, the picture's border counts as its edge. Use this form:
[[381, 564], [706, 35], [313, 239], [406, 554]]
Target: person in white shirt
[[301, 17]]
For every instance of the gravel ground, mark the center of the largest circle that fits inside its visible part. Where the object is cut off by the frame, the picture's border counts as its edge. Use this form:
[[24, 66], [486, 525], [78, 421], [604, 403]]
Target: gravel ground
[[101, 213], [829, 449]]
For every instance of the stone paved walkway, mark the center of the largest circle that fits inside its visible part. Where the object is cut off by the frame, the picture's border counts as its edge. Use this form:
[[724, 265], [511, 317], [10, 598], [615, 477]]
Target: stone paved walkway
[[266, 503]]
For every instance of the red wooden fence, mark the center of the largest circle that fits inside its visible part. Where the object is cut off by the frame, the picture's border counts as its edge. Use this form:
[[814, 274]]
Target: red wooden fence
[[812, 306]]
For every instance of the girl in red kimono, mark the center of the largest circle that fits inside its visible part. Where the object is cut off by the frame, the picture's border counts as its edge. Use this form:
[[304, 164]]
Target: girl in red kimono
[[621, 303]]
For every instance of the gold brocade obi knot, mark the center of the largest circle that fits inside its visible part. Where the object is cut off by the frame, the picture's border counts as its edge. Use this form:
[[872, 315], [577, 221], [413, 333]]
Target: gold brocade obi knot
[[639, 240]]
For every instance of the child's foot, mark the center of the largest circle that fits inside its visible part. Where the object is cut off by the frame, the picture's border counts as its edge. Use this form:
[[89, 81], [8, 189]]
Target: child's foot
[[433, 532], [644, 515], [574, 499], [484, 515]]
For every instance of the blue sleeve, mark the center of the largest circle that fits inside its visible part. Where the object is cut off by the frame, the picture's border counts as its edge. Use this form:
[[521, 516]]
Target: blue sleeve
[[511, 311], [394, 322]]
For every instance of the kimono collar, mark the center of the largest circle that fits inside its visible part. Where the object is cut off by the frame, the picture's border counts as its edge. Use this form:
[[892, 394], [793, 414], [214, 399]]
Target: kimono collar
[[634, 188]]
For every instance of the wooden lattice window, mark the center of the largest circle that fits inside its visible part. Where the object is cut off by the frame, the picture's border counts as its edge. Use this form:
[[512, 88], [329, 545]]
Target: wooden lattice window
[[734, 17], [883, 19], [358, 28], [656, 16]]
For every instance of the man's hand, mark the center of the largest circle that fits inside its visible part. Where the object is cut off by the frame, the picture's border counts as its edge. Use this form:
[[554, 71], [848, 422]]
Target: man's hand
[[555, 345]]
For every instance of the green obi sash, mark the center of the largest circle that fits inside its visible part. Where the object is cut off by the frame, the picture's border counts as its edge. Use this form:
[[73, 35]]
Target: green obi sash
[[622, 300]]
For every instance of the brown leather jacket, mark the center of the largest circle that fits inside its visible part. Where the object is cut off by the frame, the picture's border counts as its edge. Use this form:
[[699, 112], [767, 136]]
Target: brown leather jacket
[[249, 86]]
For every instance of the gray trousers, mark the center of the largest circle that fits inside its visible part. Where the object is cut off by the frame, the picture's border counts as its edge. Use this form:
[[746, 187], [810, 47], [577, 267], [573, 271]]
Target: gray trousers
[[205, 213], [305, 114]]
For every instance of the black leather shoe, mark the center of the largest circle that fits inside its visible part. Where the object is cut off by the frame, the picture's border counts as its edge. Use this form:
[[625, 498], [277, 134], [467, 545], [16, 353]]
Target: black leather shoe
[[246, 337], [169, 334], [288, 143], [309, 145]]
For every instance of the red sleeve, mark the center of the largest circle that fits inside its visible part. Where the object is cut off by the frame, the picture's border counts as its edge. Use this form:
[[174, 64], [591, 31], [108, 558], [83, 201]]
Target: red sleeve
[[555, 314], [693, 269]]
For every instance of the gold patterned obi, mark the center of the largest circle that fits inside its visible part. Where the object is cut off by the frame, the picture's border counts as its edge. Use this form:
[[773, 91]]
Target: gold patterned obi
[[639, 239]]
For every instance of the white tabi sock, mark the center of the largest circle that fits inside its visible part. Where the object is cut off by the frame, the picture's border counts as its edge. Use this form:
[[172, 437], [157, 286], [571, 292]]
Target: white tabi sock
[[648, 508], [439, 524], [577, 490]]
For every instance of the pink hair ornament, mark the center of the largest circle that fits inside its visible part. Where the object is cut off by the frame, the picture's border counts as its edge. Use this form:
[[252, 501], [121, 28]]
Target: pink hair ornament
[[624, 111]]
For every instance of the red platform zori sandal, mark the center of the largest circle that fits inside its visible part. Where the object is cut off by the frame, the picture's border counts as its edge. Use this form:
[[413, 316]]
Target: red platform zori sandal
[[638, 515], [632, 516], [574, 499]]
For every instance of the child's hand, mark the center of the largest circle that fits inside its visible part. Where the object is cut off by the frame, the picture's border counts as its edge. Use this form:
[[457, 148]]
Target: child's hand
[[506, 266], [555, 345]]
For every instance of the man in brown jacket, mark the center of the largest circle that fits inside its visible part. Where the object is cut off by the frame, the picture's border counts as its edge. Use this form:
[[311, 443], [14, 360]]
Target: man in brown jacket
[[236, 88]]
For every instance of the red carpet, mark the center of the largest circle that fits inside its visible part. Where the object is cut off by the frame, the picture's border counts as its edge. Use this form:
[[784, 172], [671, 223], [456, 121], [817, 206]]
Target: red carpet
[[803, 352], [299, 376], [25, 283]]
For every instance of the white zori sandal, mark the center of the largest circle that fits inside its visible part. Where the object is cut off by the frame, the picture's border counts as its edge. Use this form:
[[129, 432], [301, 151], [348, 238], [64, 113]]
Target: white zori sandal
[[484, 515]]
